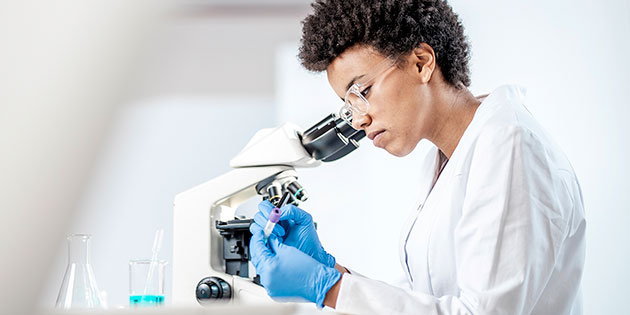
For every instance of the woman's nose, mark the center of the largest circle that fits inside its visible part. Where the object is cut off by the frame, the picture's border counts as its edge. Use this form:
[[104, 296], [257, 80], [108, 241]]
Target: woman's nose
[[360, 121]]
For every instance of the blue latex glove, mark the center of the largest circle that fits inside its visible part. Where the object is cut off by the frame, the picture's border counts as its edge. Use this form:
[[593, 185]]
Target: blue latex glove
[[296, 229], [286, 272]]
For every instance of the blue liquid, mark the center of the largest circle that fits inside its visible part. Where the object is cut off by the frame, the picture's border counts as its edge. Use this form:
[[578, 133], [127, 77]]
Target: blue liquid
[[146, 300]]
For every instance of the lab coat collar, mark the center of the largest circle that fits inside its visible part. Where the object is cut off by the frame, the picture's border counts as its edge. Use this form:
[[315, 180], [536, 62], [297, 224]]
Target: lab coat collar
[[511, 93], [504, 94]]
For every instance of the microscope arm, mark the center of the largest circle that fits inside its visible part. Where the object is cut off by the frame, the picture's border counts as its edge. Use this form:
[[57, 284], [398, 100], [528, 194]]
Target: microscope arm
[[197, 245], [265, 167]]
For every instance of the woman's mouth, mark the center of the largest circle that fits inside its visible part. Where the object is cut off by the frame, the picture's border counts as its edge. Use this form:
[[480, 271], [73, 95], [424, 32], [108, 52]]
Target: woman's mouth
[[377, 139]]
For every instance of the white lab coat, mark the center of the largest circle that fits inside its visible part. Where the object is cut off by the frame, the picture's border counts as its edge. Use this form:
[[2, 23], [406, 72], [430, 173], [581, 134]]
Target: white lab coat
[[500, 232]]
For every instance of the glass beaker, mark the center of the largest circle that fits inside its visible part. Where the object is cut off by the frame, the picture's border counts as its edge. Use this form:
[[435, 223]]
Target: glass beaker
[[146, 282], [79, 289]]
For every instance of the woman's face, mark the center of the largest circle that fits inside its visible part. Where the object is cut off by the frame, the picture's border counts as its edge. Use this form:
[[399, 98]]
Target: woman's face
[[399, 110]]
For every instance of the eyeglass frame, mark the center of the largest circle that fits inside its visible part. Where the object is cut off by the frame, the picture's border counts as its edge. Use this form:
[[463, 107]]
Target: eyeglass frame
[[355, 89]]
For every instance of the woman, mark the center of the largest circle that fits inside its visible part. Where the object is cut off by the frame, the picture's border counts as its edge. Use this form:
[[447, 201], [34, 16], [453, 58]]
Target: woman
[[500, 229]]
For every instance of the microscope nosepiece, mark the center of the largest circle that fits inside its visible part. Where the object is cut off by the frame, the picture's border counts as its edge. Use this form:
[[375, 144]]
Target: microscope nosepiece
[[297, 191], [274, 193]]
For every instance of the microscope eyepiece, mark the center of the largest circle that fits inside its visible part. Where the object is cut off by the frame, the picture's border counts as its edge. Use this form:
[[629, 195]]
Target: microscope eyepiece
[[331, 139]]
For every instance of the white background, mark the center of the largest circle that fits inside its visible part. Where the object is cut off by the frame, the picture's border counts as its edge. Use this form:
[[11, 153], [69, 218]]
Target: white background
[[215, 77]]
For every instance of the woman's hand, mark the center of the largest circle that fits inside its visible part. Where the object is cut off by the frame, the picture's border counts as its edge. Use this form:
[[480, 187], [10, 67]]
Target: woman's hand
[[287, 272], [296, 229]]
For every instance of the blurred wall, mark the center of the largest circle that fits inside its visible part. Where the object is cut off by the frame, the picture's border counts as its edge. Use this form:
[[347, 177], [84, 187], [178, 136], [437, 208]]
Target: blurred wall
[[64, 68], [230, 71], [193, 102]]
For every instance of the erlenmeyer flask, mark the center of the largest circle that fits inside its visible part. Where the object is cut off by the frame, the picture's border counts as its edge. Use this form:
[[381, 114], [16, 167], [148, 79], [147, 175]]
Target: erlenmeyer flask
[[79, 289]]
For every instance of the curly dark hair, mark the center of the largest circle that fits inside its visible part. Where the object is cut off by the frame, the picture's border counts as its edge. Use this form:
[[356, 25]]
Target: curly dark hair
[[391, 27]]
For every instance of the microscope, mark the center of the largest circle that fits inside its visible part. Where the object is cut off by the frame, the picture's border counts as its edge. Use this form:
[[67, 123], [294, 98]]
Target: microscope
[[211, 244]]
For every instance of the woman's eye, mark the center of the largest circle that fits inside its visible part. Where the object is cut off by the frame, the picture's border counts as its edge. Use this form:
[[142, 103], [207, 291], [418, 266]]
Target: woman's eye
[[365, 92]]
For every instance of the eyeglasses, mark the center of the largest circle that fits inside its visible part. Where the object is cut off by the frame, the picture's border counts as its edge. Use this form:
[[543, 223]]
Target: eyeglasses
[[356, 97]]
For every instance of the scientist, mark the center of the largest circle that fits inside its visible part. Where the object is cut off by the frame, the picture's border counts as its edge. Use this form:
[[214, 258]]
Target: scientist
[[499, 227]]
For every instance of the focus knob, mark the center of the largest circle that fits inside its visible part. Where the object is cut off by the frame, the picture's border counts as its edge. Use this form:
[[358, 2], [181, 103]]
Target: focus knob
[[212, 288]]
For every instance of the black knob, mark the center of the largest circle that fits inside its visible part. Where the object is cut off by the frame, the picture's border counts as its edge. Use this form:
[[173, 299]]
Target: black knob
[[212, 288]]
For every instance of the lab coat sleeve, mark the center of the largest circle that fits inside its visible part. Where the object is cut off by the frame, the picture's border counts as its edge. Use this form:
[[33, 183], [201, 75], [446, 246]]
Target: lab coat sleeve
[[354, 272], [505, 241], [359, 295]]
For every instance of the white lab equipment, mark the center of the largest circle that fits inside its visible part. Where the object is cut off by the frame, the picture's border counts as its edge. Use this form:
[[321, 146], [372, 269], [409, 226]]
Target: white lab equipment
[[211, 245]]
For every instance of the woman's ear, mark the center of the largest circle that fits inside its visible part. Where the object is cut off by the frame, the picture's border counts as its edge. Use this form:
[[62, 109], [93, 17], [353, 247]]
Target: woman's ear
[[424, 59]]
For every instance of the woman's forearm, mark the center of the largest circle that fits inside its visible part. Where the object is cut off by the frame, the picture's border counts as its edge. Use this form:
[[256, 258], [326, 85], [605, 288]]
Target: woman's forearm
[[331, 295]]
